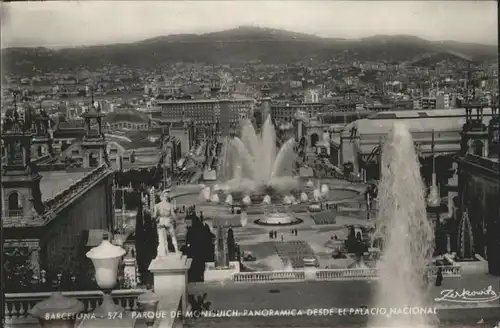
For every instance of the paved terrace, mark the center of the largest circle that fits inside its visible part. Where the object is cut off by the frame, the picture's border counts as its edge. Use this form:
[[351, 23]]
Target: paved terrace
[[326, 295]]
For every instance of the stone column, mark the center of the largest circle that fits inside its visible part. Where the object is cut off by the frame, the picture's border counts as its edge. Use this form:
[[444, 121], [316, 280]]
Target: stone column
[[224, 255], [219, 249], [130, 270], [310, 268], [216, 245], [171, 272]]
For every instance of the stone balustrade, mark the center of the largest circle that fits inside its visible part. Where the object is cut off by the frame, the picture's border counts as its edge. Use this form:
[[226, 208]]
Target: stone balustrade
[[347, 274], [17, 305], [483, 162], [63, 196], [331, 274], [266, 276], [448, 270], [16, 213]]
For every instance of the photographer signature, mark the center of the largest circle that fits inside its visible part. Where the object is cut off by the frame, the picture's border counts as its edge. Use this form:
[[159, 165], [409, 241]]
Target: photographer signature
[[468, 296]]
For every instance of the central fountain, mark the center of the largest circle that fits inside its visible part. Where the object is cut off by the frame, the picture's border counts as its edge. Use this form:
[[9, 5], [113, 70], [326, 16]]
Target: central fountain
[[406, 233], [259, 176], [257, 164]]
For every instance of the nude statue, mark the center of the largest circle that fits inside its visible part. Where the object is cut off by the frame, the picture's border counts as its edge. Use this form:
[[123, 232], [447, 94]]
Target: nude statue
[[164, 214]]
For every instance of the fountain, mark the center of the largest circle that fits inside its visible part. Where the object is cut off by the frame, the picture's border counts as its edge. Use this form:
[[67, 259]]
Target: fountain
[[255, 173], [324, 189], [247, 200], [317, 195], [257, 165], [214, 198], [205, 193], [406, 233]]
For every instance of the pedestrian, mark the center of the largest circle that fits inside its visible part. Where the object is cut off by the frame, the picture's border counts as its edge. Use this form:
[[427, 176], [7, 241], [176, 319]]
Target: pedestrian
[[439, 277], [282, 238], [270, 234]]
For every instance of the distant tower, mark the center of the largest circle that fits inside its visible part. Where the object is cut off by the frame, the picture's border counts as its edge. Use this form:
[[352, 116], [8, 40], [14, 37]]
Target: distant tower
[[214, 86], [474, 132], [94, 143], [266, 102], [21, 195], [224, 92], [43, 139]]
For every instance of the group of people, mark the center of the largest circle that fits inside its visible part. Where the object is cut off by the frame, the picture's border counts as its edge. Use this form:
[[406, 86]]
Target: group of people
[[273, 234]]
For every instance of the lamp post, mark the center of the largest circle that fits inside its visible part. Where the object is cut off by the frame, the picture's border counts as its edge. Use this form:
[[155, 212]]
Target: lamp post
[[58, 311], [434, 199], [106, 258]]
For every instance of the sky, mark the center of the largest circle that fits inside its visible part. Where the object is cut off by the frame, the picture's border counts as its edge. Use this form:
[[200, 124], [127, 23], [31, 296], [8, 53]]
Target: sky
[[76, 23]]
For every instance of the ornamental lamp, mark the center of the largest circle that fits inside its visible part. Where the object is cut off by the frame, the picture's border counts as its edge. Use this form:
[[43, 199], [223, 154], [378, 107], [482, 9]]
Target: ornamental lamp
[[106, 257], [148, 302], [57, 311]]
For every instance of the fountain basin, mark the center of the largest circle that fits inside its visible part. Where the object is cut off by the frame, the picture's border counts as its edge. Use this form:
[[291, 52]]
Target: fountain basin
[[335, 194], [278, 219], [314, 208]]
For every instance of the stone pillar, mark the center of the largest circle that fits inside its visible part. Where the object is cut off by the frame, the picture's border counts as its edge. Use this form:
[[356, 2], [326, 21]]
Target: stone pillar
[[219, 248], [224, 255], [170, 272], [130, 270], [310, 268]]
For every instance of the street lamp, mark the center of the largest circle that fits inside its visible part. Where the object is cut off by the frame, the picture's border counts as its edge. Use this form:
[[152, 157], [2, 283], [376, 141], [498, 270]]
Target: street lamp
[[106, 258], [433, 199], [58, 311]]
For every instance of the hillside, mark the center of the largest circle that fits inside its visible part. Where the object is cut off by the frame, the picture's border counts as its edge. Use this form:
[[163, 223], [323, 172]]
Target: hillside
[[237, 45]]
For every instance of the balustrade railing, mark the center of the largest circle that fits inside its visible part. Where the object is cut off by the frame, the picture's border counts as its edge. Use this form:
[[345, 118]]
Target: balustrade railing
[[15, 213], [347, 274], [17, 305], [332, 274], [484, 162], [61, 197], [447, 270], [269, 276]]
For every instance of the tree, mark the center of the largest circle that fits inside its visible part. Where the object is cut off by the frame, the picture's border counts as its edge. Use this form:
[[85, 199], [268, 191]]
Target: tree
[[231, 245], [200, 241]]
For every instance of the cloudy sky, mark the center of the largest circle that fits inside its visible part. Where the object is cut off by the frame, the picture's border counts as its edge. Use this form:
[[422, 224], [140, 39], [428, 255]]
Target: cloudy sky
[[73, 23]]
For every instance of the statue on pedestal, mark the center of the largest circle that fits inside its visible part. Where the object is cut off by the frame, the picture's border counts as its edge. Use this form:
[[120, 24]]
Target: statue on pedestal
[[164, 214]]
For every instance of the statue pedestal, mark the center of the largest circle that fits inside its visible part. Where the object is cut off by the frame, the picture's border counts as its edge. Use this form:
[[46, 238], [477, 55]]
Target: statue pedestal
[[170, 271]]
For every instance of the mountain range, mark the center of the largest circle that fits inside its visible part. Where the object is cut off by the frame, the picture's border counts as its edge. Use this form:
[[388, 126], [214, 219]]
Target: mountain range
[[239, 45]]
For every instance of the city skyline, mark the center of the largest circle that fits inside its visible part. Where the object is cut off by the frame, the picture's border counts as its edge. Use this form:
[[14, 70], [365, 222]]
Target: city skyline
[[69, 24]]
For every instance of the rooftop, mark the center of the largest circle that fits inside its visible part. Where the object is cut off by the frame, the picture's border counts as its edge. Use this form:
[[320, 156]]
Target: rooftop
[[54, 182], [417, 121], [207, 101], [126, 116]]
